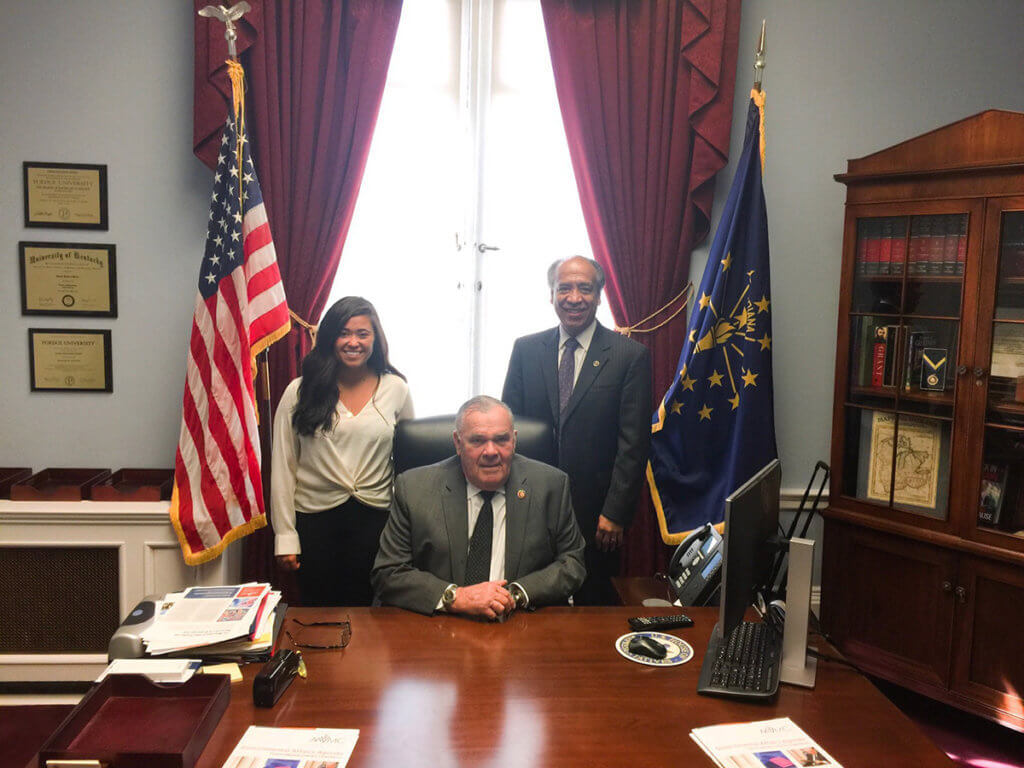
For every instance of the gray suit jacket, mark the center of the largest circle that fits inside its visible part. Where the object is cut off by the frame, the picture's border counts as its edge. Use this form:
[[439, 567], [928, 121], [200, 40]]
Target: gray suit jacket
[[424, 544]]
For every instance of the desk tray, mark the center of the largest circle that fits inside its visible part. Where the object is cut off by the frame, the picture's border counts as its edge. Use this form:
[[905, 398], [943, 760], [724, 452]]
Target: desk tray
[[135, 485], [129, 722], [11, 475], [58, 484]]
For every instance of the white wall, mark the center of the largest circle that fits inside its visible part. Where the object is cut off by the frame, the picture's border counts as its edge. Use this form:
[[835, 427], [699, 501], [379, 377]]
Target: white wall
[[843, 80], [94, 81], [101, 82]]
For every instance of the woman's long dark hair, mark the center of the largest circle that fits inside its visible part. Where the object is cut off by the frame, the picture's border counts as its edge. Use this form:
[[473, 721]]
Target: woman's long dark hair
[[318, 392]]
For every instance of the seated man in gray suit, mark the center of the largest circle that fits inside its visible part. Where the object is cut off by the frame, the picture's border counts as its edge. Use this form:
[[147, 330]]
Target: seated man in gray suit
[[526, 549]]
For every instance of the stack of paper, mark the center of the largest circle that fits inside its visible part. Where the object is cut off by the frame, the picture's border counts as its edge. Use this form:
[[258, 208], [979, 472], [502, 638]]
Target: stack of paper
[[775, 743], [225, 621], [157, 670]]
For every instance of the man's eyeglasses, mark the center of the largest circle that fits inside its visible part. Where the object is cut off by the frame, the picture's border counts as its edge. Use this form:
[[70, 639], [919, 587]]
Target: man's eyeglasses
[[321, 635]]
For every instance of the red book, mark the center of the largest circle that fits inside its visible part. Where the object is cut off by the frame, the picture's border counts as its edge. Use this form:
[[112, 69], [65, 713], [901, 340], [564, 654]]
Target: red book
[[961, 248], [899, 245], [918, 233], [874, 248], [878, 365], [950, 244], [936, 244], [885, 246], [878, 356]]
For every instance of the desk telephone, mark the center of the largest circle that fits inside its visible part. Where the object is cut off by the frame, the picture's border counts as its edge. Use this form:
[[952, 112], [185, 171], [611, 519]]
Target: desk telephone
[[695, 571]]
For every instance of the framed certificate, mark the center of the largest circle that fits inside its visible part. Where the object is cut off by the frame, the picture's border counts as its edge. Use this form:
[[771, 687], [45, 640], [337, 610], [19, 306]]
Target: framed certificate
[[65, 195], [68, 279], [69, 360]]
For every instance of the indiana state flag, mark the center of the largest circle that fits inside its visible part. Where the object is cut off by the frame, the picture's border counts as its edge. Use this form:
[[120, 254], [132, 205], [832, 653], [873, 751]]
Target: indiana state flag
[[715, 427]]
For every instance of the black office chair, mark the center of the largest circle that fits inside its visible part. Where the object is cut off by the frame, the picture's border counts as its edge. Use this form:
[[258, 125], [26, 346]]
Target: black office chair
[[419, 442]]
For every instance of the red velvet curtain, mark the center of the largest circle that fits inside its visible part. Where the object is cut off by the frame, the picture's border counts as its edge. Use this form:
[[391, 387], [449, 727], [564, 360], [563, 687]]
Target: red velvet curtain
[[645, 88], [315, 73]]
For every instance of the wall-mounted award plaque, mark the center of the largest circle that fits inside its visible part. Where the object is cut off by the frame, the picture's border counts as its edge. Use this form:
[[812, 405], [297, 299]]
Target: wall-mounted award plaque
[[68, 279], [65, 195], [69, 360]]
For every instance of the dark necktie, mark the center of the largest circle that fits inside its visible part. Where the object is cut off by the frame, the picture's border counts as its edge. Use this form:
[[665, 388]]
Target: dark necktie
[[478, 561], [566, 373]]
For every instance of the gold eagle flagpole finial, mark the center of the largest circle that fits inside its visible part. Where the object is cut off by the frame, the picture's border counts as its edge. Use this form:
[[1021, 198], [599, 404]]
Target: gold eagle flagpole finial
[[229, 16]]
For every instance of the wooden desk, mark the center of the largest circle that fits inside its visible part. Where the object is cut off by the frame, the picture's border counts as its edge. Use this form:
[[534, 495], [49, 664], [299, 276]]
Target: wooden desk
[[546, 689]]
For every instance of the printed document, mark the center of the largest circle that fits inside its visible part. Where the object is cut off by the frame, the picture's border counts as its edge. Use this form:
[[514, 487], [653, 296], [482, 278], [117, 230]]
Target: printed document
[[293, 747], [764, 744]]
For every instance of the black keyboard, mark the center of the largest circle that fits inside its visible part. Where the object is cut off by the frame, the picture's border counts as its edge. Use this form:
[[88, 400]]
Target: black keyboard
[[744, 664]]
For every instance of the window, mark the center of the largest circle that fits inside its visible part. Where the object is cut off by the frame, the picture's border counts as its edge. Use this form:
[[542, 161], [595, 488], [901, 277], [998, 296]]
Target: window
[[469, 154]]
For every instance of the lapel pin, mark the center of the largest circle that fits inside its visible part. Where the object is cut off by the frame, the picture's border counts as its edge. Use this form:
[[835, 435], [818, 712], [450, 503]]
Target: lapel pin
[[521, 494], [597, 363]]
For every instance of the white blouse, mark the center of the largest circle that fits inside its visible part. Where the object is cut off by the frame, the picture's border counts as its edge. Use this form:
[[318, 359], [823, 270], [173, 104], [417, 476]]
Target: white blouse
[[311, 473]]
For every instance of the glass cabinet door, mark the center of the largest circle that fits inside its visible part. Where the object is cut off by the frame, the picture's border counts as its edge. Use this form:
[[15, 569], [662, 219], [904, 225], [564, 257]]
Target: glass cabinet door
[[1001, 506], [904, 333]]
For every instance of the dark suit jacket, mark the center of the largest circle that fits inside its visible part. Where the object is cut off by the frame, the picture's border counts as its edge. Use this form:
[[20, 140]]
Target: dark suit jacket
[[605, 435], [424, 544]]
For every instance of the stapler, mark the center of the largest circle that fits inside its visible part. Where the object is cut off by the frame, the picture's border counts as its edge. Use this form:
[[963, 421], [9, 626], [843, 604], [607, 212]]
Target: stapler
[[275, 677]]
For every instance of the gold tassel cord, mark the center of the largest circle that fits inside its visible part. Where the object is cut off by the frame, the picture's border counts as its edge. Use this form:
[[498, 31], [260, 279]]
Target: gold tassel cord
[[687, 292], [310, 329], [237, 75], [758, 96]]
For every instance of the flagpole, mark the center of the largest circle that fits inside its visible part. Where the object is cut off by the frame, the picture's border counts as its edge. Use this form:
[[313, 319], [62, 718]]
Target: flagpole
[[759, 58], [229, 16], [756, 93]]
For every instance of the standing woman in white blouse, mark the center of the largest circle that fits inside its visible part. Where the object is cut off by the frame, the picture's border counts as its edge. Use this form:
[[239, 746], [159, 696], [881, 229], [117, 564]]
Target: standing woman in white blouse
[[332, 475]]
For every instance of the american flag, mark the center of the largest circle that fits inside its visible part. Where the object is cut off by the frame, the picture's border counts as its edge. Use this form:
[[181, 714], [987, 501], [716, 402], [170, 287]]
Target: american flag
[[240, 310]]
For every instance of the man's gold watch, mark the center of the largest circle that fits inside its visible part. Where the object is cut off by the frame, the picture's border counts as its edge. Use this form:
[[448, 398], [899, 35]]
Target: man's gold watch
[[518, 595], [448, 596]]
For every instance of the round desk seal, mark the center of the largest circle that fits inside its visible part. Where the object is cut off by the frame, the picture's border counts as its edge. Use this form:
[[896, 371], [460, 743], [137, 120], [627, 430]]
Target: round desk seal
[[678, 651]]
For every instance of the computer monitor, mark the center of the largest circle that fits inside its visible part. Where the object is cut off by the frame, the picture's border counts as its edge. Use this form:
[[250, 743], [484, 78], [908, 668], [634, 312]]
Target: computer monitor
[[751, 542]]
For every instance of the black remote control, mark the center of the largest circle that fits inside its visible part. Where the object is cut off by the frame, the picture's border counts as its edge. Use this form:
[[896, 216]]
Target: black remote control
[[641, 623]]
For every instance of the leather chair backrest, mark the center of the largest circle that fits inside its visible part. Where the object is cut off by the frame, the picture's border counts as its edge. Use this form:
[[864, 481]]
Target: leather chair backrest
[[419, 442]]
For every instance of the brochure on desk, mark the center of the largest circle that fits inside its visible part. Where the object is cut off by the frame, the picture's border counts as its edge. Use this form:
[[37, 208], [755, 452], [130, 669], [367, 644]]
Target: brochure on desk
[[779, 743], [293, 748]]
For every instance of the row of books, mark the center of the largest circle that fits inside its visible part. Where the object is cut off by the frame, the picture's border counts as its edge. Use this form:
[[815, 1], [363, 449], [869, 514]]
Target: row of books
[[879, 350], [937, 246], [1002, 497]]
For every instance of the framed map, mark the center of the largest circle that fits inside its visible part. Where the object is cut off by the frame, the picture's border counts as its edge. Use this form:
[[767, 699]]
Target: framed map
[[918, 445]]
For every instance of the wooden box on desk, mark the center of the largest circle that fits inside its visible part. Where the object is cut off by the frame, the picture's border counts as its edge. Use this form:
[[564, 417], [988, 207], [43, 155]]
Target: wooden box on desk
[[129, 722], [135, 485], [58, 484], [11, 475]]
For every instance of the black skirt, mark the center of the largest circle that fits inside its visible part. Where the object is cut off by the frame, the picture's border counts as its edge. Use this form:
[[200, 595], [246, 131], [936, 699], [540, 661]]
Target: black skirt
[[339, 546]]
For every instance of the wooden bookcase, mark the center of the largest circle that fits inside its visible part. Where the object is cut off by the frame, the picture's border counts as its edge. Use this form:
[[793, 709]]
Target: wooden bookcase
[[923, 577]]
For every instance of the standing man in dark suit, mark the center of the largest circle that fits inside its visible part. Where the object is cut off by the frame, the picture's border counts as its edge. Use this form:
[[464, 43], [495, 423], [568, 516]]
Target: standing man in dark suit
[[483, 533], [594, 387]]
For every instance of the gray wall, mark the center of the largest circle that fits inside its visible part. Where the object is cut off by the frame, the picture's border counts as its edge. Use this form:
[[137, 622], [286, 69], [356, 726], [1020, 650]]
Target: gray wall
[[94, 81], [101, 82]]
